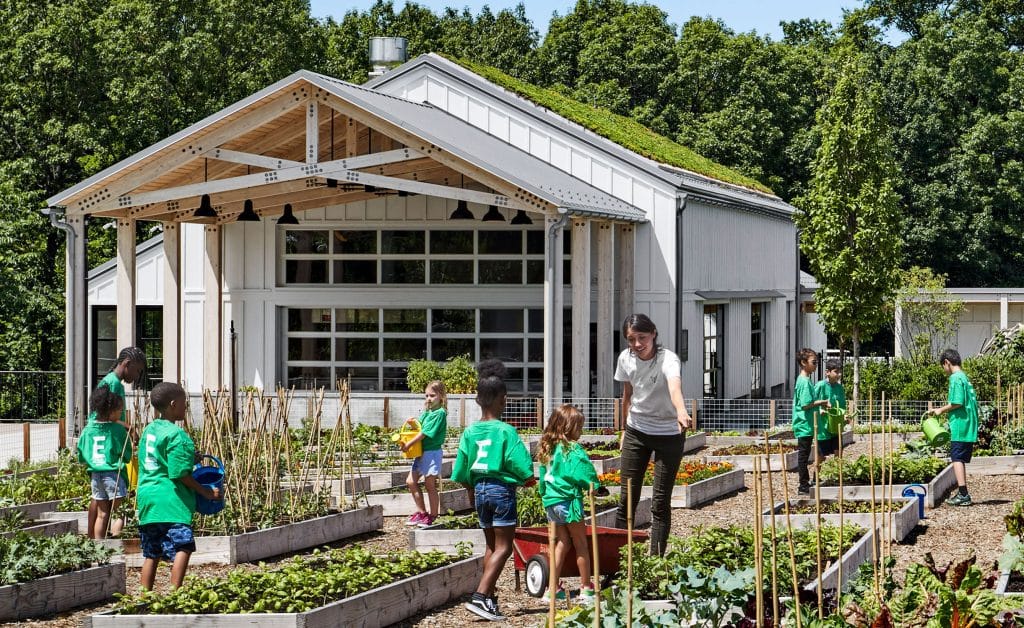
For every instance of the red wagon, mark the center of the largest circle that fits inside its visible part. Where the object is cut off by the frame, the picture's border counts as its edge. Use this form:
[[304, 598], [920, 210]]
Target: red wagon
[[530, 554]]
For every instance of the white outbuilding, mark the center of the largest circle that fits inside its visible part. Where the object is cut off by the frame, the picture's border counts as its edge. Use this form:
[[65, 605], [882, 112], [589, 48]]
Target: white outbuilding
[[430, 213]]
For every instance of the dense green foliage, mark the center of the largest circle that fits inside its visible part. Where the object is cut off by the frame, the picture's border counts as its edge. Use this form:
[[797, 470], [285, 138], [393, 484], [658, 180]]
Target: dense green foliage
[[862, 469], [300, 585], [70, 482], [86, 83], [25, 557]]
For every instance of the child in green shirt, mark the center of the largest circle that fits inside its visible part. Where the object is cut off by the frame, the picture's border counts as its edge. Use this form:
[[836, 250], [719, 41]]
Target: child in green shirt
[[492, 461], [433, 430], [805, 407], [104, 448], [962, 406], [832, 391], [167, 491], [565, 472]]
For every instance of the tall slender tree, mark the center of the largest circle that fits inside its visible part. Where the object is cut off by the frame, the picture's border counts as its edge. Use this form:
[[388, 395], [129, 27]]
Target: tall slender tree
[[850, 218]]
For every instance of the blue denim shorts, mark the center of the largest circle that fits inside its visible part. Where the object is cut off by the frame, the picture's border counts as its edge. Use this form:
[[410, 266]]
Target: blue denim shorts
[[428, 464], [558, 513], [495, 504], [106, 485], [960, 451], [164, 540]]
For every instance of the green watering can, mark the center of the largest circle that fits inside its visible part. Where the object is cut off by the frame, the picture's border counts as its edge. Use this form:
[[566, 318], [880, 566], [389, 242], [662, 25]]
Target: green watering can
[[936, 432], [835, 420]]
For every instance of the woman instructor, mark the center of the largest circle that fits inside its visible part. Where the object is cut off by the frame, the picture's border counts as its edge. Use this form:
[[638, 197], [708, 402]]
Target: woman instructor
[[656, 422]]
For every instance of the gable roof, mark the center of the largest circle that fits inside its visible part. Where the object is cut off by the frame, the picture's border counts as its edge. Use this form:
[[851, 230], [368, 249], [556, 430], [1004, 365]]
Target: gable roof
[[427, 122], [641, 148]]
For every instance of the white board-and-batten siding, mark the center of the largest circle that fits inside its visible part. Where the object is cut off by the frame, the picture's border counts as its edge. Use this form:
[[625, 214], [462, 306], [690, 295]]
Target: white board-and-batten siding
[[542, 135]]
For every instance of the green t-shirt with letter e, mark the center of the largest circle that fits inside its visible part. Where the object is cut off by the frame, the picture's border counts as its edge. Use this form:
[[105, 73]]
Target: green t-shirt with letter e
[[166, 453], [492, 449], [104, 446], [434, 425], [836, 395], [803, 420], [963, 421], [113, 382]]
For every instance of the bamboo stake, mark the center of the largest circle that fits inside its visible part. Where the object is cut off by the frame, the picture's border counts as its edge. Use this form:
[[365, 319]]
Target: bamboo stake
[[789, 535], [817, 510], [596, 568], [629, 552], [874, 521], [839, 573], [553, 583], [892, 456], [758, 541], [771, 506]]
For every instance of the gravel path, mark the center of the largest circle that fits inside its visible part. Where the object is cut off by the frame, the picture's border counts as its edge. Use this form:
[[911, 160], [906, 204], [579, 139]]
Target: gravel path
[[948, 532]]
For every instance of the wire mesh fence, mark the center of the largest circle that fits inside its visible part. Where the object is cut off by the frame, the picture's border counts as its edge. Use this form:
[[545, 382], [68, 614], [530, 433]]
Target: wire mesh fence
[[31, 395], [29, 442]]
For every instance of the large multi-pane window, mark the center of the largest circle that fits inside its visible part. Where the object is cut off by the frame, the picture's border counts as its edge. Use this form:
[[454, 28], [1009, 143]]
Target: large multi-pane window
[[413, 257], [374, 345], [714, 350], [757, 349], [148, 337]]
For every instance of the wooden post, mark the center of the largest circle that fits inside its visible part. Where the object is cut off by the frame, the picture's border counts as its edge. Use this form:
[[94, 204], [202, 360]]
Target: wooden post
[[62, 434], [771, 414], [540, 413], [616, 415], [26, 441], [693, 414], [387, 411], [462, 412]]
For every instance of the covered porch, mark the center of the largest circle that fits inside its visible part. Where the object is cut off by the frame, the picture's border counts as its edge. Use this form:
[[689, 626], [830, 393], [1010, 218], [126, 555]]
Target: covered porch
[[311, 150]]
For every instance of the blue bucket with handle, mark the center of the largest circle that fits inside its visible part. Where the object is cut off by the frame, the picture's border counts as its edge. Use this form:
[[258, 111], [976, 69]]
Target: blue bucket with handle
[[210, 477]]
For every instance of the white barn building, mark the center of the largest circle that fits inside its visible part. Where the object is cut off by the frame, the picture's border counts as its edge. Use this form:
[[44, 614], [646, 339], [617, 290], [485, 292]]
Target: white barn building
[[569, 233]]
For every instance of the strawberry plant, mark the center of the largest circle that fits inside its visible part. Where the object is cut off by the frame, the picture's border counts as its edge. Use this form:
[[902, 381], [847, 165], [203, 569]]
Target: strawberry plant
[[298, 586], [25, 557]]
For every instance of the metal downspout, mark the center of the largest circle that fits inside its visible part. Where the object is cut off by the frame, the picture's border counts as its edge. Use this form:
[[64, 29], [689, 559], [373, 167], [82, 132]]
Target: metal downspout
[[680, 207], [797, 311], [552, 284], [70, 373]]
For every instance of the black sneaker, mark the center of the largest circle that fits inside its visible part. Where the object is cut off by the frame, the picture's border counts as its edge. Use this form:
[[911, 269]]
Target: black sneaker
[[806, 492], [486, 607]]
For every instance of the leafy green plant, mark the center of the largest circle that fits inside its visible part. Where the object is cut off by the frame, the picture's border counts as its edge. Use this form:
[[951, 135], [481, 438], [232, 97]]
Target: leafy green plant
[[13, 520], [420, 373], [459, 375], [614, 606], [298, 586], [711, 600], [906, 469], [25, 557], [70, 481]]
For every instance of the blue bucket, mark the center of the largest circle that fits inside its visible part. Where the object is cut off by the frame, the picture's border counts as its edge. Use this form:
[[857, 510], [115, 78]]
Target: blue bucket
[[210, 477]]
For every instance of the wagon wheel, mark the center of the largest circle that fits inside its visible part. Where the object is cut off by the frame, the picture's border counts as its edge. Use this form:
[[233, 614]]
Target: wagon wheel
[[537, 575]]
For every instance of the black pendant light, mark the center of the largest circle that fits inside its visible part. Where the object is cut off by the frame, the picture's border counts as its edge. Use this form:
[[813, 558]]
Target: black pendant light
[[249, 213], [462, 212], [521, 218], [288, 218], [493, 215], [205, 209]]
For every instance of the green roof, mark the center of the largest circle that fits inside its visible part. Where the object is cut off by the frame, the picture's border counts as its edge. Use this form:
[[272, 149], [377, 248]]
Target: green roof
[[625, 132]]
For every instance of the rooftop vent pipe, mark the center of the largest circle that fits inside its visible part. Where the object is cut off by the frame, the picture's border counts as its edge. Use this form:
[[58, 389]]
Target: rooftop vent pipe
[[386, 53]]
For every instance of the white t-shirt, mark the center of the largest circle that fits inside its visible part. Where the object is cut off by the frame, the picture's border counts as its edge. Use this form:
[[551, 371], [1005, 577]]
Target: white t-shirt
[[650, 409]]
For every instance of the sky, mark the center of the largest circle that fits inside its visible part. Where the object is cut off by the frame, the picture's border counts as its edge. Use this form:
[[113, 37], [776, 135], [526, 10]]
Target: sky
[[739, 15]]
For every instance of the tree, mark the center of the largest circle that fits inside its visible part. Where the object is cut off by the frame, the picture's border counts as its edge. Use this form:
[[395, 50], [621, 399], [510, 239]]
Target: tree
[[928, 315], [850, 218]]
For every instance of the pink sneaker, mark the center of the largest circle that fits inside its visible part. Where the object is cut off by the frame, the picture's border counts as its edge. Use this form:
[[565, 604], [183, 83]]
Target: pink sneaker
[[426, 520], [416, 519]]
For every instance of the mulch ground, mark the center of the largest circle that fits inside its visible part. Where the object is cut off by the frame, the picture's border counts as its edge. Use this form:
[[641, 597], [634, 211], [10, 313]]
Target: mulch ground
[[948, 533]]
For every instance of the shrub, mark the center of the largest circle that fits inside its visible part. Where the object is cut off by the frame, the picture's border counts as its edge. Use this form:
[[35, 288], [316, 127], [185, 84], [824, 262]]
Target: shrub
[[421, 373], [459, 375]]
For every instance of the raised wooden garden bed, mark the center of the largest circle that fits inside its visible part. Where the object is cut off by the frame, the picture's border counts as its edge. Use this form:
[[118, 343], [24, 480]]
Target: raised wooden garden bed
[[937, 488], [996, 465], [693, 495], [437, 538], [80, 518], [55, 594], [24, 474], [31, 511], [46, 528], [382, 606], [858, 554], [746, 463], [260, 544], [904, 518], [401, 504]]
